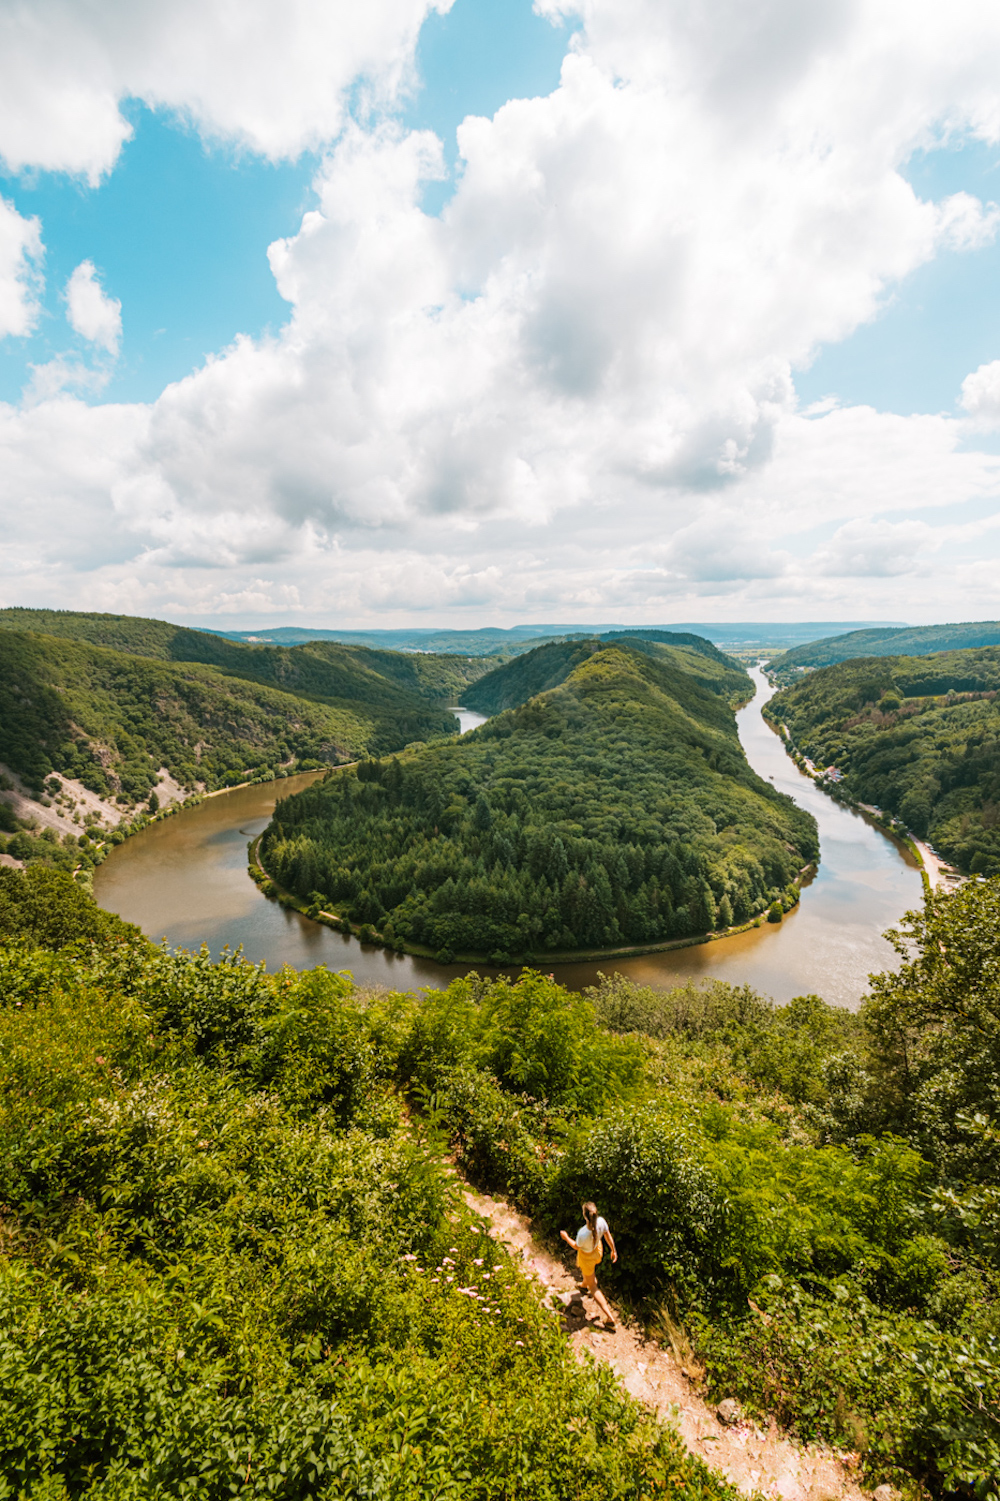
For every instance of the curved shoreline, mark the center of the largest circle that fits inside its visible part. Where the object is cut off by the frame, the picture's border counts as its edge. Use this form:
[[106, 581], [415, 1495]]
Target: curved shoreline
[[259, 875]]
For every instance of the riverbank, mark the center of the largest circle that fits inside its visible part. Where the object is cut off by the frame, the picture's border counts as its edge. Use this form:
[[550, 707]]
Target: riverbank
[[185, 881], [367, 933], [936, 873]]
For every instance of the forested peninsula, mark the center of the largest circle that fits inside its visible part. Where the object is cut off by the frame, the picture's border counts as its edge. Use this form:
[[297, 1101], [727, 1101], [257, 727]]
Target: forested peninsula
[[613, 805], [916, 736]]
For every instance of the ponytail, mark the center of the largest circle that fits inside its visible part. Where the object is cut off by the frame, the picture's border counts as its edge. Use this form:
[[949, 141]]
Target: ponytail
[[590, 1215]]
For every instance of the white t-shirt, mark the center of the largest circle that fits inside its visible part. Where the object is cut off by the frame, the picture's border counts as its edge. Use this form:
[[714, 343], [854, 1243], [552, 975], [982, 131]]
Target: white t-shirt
[[584, 1239]]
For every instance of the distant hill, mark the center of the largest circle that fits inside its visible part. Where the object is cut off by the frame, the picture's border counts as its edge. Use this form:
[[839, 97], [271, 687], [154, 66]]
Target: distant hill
[[321, 669], [886, 641], [509, 641], [106, 701], [547, 666], [614, 807], [916, 735]]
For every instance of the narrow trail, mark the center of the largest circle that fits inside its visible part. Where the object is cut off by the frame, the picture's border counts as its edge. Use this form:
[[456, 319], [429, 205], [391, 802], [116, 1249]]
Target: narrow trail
[[757, 1462]]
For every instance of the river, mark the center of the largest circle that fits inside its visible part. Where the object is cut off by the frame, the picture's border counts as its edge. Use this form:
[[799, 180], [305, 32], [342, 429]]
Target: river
[[185, 880]]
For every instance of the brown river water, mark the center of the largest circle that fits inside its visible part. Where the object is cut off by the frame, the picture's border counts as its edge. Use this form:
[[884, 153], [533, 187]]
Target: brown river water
[[185, 880]]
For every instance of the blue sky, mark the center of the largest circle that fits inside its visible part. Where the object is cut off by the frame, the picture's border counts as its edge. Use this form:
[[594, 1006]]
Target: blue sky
[[179, 230], [942, 322], [570, 377]]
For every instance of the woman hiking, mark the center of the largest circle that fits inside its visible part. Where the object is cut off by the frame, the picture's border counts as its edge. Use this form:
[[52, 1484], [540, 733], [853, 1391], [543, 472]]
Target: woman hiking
[[589, 1248]]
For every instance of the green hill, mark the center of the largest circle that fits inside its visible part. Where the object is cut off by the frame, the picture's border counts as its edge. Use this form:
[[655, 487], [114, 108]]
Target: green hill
[[917, 736], [319, 669], [112, 719], [909, 640], [547, 666], [616, 807]]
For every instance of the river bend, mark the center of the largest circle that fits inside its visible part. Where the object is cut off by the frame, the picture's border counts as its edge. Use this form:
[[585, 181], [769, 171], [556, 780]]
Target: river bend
[[185, 880]]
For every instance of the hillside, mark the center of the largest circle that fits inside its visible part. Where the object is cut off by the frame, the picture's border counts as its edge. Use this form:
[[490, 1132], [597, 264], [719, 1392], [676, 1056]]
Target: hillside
[[616, 807], [321, 669], [547, 666], [235, 1262], [110, 722], [917, 736], [910, 640]]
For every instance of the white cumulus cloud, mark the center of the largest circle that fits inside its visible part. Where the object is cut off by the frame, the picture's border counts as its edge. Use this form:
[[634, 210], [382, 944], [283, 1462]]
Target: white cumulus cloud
[[20, 276], [981, 394], [92, 314], [574, 390], [272, 75]]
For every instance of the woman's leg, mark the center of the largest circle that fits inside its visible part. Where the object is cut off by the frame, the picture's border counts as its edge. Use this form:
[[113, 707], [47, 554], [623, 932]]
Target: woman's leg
[[590, 1283]]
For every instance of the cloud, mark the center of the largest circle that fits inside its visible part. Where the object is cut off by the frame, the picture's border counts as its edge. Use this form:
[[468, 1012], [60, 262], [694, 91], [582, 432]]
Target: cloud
[[874, 549], [271, 77], [91, 313], [574, 389], [20, 275], [981, 395]]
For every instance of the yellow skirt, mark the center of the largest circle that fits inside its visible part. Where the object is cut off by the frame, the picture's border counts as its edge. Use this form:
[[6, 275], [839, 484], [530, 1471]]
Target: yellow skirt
[[588, 1261]]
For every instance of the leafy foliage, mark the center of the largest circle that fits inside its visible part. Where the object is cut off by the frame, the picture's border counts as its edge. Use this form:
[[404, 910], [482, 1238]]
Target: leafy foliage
[[230, 1263], [112, 719], [918, 736], [616, 807]]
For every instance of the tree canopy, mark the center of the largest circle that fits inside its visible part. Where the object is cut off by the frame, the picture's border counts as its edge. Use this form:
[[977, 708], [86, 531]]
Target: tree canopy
[[615, 807], [917, 736]]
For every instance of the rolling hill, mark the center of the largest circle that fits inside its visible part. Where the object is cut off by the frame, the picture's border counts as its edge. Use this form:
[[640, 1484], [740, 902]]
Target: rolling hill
[[611, 805], [918, 736], [886, 641]]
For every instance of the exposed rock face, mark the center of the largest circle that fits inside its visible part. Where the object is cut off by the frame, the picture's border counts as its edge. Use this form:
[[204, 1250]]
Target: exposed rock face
[[885, 1493], [730, 1412]]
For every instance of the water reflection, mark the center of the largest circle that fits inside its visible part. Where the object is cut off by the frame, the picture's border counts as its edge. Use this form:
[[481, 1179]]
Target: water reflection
[[185, 879]]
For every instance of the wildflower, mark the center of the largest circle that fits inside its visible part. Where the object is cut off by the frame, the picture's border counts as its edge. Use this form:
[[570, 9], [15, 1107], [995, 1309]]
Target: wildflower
[[519, 1342], [409, 1257], [478, 1261]]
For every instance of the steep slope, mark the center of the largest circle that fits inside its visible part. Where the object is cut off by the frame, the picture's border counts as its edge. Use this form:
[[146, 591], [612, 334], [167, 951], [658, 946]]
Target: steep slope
[[616, 807], [112, 719], [918, 736]]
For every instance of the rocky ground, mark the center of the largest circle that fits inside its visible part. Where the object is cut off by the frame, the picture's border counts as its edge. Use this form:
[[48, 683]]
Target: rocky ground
[[758, 1462], [67, 812]]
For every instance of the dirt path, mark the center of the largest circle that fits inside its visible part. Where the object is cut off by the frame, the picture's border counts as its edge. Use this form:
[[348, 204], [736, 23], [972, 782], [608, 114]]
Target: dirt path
[[757, 1462]]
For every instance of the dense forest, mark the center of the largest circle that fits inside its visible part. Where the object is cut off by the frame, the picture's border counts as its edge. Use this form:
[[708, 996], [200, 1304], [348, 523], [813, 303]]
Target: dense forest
[[320, 669], [917, 736], [512, 684], [616, 807], [885, 641], [111, 719], [234, 1261]]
